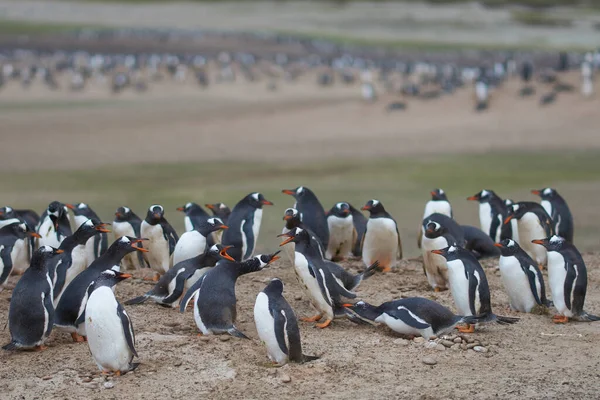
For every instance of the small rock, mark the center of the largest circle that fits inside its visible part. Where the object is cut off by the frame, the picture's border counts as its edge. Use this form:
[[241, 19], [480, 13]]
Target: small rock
[[109, 385], [46, 378], [493, 348], [463, 346], [433, 337], [440, 347], [90, 385], [457, 340], [178, 363], [471, 345], [172, 324], [204, 339], [484, 344], [224, 338], [86, 380], [286, 378], [447, 343], [480, 349], [429, 361], [298, 297], [470, 340], [449, 337], [430, 345], [455, 347], [419, 339], [401, 342], [241, 320]]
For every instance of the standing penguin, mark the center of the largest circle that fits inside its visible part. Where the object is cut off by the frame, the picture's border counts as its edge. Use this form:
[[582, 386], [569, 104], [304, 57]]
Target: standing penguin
[[54, 225], [382, 240], [360, 226], [193, 243], [277, 326], [438, 204], [244, 226], [31, 314], [311, 212], [523, 280], [558, 210], [194, 215], [492, 213], [97, 244], [469, 287], [22, 250], [162, 239], [214, 295], [511, 230], [219, 210], [342, 234], [30, 217], [109, 330], [14, 246], [73, 301], [533, 223], [567, 277], [292, 221], [127, 223]]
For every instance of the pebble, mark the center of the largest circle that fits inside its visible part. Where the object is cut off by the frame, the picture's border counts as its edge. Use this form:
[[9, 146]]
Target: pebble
[[493, 348], [440, 347], [172, 324], [470, 340], [430, 345], [456, 347], [480, 349], [447, 343], [449, 337], [298, 297], [419, 339], [401, 342], [109, 385], [86, 380], [463, 346], [286, 378], [484, 344], [224, 338], [46, 378], [178, 363], [429, 361], [90, 385], [457, 340], [471, 345], [204, 338]]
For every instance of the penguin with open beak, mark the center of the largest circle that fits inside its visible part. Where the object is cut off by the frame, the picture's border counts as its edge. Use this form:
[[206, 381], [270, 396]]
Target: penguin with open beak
[[54, 225], [97, 244]]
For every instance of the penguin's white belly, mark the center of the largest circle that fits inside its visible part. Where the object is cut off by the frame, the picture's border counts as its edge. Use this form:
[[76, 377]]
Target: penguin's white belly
[[311, 285], [198, 318], [514, 226], [130, 261], [265, 327], [380, 242], [90, 250], [459, 286], [190, 245], [48, 235], [437, 207], [105, 334], [256, 227], [485, 217], [20, 256], [158, 247], [188, 224], [557, 275], [516, 285], [435, 265], [547, 206], [399, 326], [341, 231], [530, 229], [78, 264], [289, 248], [79, 220]]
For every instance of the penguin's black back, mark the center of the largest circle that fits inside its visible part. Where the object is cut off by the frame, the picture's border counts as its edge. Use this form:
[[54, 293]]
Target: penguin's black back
[[449, 224], [479, 242], [562, 218], [313, 215], [360, 225], [435, 314], [216, 300], [243, 211]]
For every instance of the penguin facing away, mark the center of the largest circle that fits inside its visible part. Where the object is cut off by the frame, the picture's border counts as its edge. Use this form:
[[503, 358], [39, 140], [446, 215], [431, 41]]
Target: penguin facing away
[[193, 243], [479, 243], [219, 210], [533, 223], [110, 334], [22, 250], [522, 279], [311, 212], [14, 247], [54, 225], [277, 326], [162, 239], [31, 313], [30, 217], [97, 244], [558, 210], [567, 278], [342, 234], [127, 223], [381, 241], [360, 226]]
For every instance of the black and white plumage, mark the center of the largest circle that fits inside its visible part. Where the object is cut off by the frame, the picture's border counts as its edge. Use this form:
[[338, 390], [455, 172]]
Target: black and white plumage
[[219, 210], [277, 326], [469, 286], [54, 225], [162, 239], [342, 234], [183, 275], [244, 226], [360, 226], [311, 212], [97, 244], [193, 243], [291, 216], [214, 295], [513, 226], [30, 217], [381, 241], [22, 251], [492, 213], [558, 210], [479, 243], [127, 223], [194, 215], [567, 278], [14, 246], [533, 223], [522, 279], [438, 204], [110, 334], [31, 313], [410, 316]]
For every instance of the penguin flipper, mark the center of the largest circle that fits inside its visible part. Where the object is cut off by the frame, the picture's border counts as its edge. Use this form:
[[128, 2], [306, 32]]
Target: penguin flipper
[[178, 290], [233, 331], [410, 319], [506, 320], [281, 330], [81, 317], [569, 282], [531, 274], [170, 234], [137, 300], [10, 346], [49, 306], [399, 255], [306, 358], [247, 227], [7, 261], [190, 293], [127, 328], [585, 317]]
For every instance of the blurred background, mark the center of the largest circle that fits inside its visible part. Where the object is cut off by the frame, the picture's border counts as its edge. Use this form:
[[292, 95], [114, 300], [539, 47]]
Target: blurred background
[[159, 102]]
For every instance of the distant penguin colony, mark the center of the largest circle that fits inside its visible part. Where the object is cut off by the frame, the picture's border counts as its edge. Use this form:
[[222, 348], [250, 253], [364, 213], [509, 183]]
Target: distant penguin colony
[[70, 287]]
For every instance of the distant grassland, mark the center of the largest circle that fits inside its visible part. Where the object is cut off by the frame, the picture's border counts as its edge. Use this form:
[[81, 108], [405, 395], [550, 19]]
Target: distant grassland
[[403, 185]]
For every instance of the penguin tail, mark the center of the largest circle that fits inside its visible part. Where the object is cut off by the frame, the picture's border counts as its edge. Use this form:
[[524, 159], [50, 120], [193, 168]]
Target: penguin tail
[[505, 320], [10, 346], [133, 366], [370, 271], [137, 300], [549, 303], [306, 358], [233, 331], [489, 317], [585, 317]]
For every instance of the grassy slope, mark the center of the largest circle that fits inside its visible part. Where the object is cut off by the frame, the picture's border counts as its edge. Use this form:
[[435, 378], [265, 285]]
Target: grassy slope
[[401, 184]]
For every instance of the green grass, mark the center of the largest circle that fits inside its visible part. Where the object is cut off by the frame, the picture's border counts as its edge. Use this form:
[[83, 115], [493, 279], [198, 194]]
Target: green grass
[[536, 18], [13, 27], [403, 185]]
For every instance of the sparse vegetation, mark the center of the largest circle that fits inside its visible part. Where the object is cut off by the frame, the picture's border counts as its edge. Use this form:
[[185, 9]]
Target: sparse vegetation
[[537, 18]]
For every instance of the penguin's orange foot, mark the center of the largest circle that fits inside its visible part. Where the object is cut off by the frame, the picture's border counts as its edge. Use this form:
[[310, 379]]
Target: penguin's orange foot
[[78, 338], [560, 319], [541, 267], [324, 324], [386, 269], [466, 328], [40, 348], [312, 319], [438, 289], [117, 373], [200, 334]]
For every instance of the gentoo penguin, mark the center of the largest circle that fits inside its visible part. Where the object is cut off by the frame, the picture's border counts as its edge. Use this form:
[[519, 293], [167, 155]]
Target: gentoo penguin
[[127, 223], [558, 210], [567, 277], [360, 226], [73, 301], [14, 247], [311, 212], [277, 326], [438, 204], [214, 295], [533, 223], [479, 243], [512, 229], [342, 234], [492, 213], [292, 220], [183, 275], [162, 239], [219, 210], [469, 287], [54, 225], [410, 316], [324, 290], [193, 243], [194, 214], [31, 313], [97, 244], [523, 280], [30, 217], [382, 240], [244, 226], [482, 94], [109, 330], [74, 259]]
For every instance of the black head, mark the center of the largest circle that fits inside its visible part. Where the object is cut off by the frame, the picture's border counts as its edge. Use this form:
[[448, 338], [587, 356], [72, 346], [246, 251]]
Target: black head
[[517, 210], [43, 254], [296, 235], [156, 212], [508, 247], [299, 192], [438, 195], [191, 208], [257, 200], [546, 194], [126, 244], [275, 287], [110, 277], [483, 197], [56, 211], [81, 209], [449, 253], [219, 209], [15, 227], [7, 213], [554, 243], [266, 259], [123, 214], [219, 252], [214, 224], [373, 206], [434, 229], [340, 210], [92, 227], [362, 312]]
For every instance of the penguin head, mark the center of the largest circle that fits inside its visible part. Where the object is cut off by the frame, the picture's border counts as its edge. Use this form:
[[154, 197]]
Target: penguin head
[[128, 244], [18, 229], [373, 206], [291, 214], [545, 194], [223, 252], [363, 312], [296, 235], [433, 229], [79, 208], [56, 210], [93, 226], [6, 213], [438, 195], [449, 253], [275, 287], [123, 214], [340, 210], [553, 243], [297, 193], [44, 253], [508, 202], [218, 209], [155, 213], [483, 197], [257, 200], [266, 259], [189, 207], [215, 224], [516, 210], [110, 277], [508, 247]]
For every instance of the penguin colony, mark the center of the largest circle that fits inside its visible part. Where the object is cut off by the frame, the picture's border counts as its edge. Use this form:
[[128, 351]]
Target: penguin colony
[[69, 281]]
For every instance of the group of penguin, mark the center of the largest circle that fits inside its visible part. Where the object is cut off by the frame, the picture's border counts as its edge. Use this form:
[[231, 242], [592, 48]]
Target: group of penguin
[[68, 278]]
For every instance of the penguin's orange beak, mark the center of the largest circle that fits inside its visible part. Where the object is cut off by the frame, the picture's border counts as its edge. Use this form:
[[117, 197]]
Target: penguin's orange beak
[[275, 258], [209, 206], [180, 209], [267, 203], [138, 240], [538, 241], [286, 241], [536, 192], [507, 220], [126, 276], [432, 193], [70, 206], [101, 228], [472, 198], [440, 252], [223, 253], [157, 216], [223, 227], [498, 245], [140, 249], [118, 215], [429, 230], [287, 217], [59, 251], [365, 207], [287, 191], [34, 234]]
